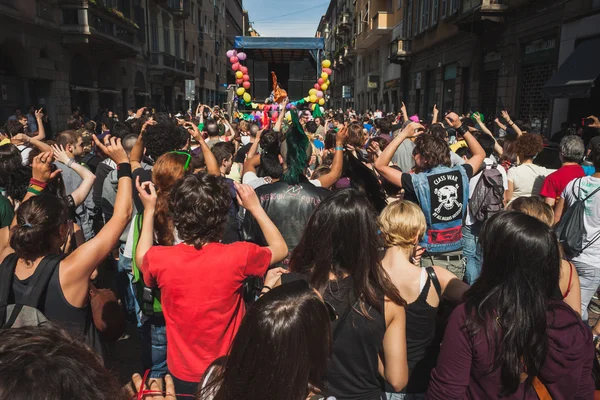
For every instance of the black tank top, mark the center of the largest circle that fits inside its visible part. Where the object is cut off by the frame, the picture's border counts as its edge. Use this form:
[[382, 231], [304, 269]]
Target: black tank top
[[77, 321], [352, 372], [420, 332]]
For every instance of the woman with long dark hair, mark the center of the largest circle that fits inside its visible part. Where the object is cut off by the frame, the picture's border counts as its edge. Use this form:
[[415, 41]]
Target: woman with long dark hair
[[279, 352], [339, 256], [514, 337]]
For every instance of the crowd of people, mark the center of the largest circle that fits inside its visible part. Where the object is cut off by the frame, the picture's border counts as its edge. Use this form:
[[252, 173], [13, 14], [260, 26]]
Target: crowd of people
[[325, 255]]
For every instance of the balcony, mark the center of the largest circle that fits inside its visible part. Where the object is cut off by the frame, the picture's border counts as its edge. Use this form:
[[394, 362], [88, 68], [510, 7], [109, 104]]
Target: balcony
[[400, 51], [179, 8], [345, 21], [86, 23], [479, 15], [202, 74], [168, 64], [348, 54], [378, 26]]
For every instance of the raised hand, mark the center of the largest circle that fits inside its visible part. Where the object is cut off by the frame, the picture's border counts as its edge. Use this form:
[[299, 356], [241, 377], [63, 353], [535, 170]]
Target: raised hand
[[413, 129], [273, 276], [41, 167], [595, 123], [246, 197], [60, 154], [112, 148], [506, 116], [147, 193], [139, 390], [140, 112], [39, 114], [341, 136], [453, 120]]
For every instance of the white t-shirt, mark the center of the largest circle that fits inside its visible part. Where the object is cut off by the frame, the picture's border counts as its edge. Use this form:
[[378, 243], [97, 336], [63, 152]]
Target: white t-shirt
[[470, 220], [591, 220], [250, 178], [25, 150], [527, 179]]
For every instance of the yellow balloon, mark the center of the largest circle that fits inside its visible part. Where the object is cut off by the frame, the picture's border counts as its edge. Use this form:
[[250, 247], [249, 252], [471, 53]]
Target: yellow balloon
[[239, 74], [313, 98], [312, 91], [247, 97], [327, 82], [326, 63], [321, 101], [307, 98], [240, 91], [324, 75], [324, 87]]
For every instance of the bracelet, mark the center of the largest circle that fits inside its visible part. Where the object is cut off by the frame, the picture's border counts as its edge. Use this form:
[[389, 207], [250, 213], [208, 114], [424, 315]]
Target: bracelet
[[341, 148], [266, 287], [30, 189], [36, 186], [70, 162], [462, 129], [123, 170]]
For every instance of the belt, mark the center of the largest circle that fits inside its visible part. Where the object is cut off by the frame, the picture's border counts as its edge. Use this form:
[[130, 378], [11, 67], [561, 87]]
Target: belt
[[447, 258]]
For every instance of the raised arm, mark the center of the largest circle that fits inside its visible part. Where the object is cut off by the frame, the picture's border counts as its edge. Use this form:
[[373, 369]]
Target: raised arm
[[478, 153], [404, 113], [76, 269], [251, 164], [79, 195], [247, 198], [277, 127], [382, 164], [21, 138], [41, 133], [147, 194], [254, 148], [435, 114], [484, 129], [329, 179], [212, 167], [511, 123]]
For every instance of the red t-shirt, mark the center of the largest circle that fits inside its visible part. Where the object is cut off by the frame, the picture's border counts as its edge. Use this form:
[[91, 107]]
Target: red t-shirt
[[202, 299], [555, 183]]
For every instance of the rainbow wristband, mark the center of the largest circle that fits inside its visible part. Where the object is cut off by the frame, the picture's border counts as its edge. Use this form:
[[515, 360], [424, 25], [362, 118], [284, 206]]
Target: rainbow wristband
[[31, 189], [36, 186]]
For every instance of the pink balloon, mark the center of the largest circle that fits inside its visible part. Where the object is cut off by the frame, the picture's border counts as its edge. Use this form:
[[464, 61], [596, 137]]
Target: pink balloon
[[319, 95], [327, 70], [244, 69], [321, 81], [241, 56], [246, 85], [246, 77], [239, 81], [235, 66], [233, 59], [317, 86], [229, 53]]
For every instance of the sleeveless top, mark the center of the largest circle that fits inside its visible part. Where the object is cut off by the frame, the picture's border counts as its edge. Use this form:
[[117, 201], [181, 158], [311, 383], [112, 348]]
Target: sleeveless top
[[53, 304], [352, 372], [420, 332]]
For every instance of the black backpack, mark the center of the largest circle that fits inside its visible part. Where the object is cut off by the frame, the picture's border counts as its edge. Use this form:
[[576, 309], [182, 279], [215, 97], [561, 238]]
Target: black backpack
[[25, 313], [488, 196], [571, 229]]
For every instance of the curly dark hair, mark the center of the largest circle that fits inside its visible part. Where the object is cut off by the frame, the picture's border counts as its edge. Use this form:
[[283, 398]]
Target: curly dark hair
[[199, 206], [433, 150], [164, 137], [14, 176], [528, 145]]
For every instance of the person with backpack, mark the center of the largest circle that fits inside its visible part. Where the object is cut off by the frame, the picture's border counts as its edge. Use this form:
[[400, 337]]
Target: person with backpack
[[578, 229], [486, 198], [35, 274]]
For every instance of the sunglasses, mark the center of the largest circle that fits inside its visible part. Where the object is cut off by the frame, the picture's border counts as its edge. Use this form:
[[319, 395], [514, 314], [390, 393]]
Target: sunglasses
[[183, 153]]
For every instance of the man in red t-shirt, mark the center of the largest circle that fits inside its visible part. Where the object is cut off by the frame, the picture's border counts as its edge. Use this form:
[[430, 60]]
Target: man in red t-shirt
[[201, 279], [572, 151]]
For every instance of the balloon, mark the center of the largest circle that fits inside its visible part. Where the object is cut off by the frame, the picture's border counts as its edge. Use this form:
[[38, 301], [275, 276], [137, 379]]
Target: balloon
[[327, 82], [244, 69], [241, 56], [275, 114], [327, 70], [312, 98], [319, 94], [239, 75], [246, 85], [321, 81], [317, 86], [312, 107], [246, 77], [321, 102], [247, 97], [324, 75], [312, 92], [239, 81], [233, 59], [307, 98], [267, 107], [229, 53], [324, 87], [326, 63], [240, 91], [235, 66]]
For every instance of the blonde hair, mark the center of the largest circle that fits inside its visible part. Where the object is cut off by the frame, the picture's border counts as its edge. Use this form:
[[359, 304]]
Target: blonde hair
[[534, 207], [401, 222]]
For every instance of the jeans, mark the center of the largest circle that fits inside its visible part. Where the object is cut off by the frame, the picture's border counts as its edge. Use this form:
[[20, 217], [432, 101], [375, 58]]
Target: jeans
[[403, 396], [472, 252], [125, 286], [452, 261], [153, 335], [589, 280]]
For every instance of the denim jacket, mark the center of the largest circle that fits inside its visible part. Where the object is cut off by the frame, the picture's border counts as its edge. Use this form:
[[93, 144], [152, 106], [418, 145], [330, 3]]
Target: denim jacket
[[443, 195]]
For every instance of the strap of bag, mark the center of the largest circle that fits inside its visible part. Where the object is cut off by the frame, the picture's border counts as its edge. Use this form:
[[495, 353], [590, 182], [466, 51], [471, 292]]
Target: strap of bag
[[38, 285], [137, 229], [435, 281], [540, 389]]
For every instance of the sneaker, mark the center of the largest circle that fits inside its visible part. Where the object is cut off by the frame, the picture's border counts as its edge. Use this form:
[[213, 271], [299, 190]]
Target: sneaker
[[594, 308]]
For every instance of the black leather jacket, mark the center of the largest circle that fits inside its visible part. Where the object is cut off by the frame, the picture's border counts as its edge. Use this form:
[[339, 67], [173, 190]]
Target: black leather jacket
[[288, 206]]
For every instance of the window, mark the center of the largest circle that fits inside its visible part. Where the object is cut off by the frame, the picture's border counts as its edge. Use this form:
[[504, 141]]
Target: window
[[434, 11], [177, 44], [424, 12], [193, 53], [399, 4], [167, 39], [444, 8], [454, 6], [205, 24], [409, 19], [185, 50], [154, 33], [45, 10], [193, 13]]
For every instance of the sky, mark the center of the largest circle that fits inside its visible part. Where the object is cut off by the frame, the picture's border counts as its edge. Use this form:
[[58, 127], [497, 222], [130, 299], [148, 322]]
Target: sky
[[291, 18]]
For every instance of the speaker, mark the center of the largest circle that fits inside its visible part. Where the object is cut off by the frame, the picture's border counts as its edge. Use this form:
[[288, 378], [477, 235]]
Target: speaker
[[297, 70], [261, 71], [295, 91], [261, 90]]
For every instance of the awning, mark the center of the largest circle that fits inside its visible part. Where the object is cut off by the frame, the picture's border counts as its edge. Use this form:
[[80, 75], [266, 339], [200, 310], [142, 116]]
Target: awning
[[287, 43], [576, 76]]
